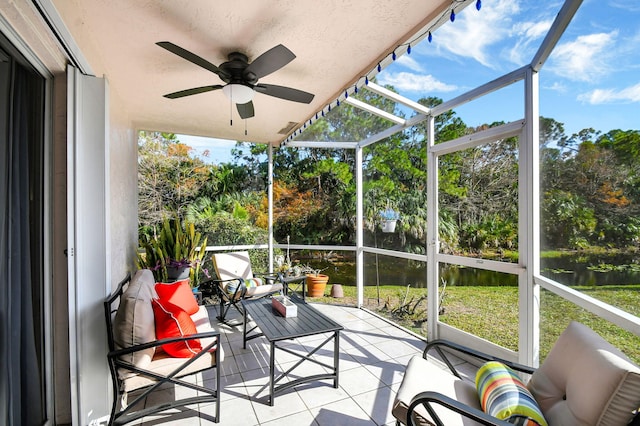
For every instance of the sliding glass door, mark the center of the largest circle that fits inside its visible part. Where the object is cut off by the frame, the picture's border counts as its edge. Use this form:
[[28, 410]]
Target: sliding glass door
[[22, 336]]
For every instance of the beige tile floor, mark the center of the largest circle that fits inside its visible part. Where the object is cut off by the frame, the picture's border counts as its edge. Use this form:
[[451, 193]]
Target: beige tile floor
[[373, 356]]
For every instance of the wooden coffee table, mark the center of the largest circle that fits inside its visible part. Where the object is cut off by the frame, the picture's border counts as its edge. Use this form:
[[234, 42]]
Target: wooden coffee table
[[308, 322]]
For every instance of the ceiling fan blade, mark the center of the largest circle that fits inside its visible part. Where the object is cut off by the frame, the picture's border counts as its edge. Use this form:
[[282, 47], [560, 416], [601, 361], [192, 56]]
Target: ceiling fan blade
[[194, 91], [287, 93], [191, 57], [270, 61], [245, 110]]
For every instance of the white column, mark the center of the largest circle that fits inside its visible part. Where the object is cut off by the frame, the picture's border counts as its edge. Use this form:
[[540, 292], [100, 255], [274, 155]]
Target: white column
[[88, 236], [359, 229], [529, 225], [432, 234], [270, 202]]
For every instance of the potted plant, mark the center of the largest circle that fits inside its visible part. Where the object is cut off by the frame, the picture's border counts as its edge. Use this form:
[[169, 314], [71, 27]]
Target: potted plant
[[175, 253], [286, 268], [389, 217], [283, 265], [316, 283]]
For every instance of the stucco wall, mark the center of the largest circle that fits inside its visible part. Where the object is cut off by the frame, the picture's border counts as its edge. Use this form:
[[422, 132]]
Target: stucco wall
[[25, 27], [124, 192]]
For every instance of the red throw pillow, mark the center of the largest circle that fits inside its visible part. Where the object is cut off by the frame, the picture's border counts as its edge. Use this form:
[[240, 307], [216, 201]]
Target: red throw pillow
[[172, 321], [180, 294]]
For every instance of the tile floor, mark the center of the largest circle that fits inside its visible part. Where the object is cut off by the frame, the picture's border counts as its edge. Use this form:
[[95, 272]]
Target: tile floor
[[373, 356]]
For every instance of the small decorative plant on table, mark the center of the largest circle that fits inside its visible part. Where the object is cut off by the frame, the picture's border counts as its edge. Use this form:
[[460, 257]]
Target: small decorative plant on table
[[284, 267], [176, 253], [315, 281]]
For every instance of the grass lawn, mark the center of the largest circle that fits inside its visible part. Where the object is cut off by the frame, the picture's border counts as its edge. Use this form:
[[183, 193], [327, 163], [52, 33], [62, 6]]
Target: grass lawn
[[492, 312]]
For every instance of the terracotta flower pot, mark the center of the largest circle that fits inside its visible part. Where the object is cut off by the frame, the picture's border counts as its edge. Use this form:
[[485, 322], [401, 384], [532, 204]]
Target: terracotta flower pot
[[316, 284]]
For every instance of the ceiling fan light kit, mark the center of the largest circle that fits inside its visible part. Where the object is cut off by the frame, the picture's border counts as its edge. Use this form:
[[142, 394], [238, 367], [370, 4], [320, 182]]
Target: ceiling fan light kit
[[241, 77], [238, 93]]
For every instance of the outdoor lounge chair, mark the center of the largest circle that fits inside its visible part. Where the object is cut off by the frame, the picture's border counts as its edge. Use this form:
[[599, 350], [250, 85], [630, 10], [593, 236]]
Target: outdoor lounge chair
[[236, 281], [583, 381], [137, 362]]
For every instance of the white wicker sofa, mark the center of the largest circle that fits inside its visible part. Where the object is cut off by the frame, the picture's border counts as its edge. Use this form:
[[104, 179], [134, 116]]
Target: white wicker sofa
[[136, 360]]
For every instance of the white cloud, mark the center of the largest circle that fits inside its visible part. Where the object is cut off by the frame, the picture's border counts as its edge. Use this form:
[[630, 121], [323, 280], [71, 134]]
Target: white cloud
[[628, 5], [415, 83], [474, 32], [409, 62], [557, 87], [527, 34], [535, 29], [586, 58], [607, 96]]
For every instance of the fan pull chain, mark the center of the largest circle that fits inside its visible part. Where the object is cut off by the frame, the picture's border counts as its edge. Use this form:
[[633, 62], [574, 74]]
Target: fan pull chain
[[245, 127], [230, 113]]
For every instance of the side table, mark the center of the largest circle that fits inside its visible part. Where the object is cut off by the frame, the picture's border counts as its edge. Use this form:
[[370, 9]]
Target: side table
[[286, 281]]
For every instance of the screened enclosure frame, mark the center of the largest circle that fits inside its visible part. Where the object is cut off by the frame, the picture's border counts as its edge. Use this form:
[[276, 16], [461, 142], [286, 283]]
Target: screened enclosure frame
[[530, 281]]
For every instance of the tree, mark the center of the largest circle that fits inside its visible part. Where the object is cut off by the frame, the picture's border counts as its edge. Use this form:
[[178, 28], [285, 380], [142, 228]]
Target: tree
[[325, 176], [626, 145], [551, 132], [169, 179], [296, 214], [597, 176], [567, 221]]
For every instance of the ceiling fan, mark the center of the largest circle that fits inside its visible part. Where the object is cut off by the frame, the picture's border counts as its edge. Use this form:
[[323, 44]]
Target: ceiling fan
[[241, 77]]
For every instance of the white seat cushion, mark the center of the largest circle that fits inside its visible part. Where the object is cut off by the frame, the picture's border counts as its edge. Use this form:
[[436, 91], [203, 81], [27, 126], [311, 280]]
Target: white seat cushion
[[203, 325], [421, 376], [163, 364], [263, 289], [237, 264]]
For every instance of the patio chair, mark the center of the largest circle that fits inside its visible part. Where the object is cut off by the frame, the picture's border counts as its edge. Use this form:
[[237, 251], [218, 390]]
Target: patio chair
[[583, 381], [141, 365], [236, 281]]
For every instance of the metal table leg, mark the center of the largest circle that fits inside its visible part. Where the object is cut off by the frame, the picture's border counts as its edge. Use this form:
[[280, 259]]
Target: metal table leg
[[244, 331], [272, 372], [336, 357]]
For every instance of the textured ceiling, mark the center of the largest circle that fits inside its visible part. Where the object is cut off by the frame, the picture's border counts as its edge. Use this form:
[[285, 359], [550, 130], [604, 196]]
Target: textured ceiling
[[336, 42]]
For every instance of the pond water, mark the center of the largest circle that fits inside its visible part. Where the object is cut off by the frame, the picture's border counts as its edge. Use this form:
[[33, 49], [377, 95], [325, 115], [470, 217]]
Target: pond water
[[570, 269], [593, 270]]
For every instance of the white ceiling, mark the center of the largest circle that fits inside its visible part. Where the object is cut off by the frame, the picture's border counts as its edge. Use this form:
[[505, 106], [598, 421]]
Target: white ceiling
[[336, 43]]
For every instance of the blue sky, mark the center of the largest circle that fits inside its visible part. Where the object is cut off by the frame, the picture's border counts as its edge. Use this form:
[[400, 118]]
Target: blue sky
[[210, 150], [592, 78]]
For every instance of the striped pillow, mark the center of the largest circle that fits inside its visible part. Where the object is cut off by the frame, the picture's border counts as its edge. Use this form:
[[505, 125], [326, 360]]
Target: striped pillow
[[231, 287], [252, 282], [505, 396]]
